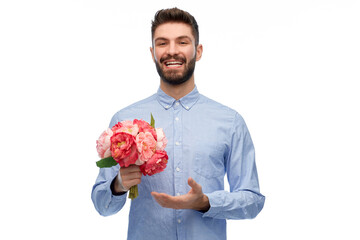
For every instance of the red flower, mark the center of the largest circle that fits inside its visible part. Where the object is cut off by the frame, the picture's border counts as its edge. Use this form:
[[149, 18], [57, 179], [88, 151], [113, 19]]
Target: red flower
[[123, 149], [145, 127], [157, 163]]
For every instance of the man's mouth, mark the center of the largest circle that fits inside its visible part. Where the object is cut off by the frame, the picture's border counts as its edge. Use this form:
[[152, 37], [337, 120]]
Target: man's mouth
[[173, 64]]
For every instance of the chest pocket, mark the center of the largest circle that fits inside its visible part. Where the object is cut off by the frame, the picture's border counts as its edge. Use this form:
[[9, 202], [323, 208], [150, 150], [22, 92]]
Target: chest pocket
[[209, 161]]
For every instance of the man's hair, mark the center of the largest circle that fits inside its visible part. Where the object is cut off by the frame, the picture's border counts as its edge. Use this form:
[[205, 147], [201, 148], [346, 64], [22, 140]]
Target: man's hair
[[175, 15]]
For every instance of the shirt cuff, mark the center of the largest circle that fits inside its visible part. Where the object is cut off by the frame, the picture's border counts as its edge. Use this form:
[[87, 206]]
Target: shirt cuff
[[111, 200], [216, 204], [122, 188]]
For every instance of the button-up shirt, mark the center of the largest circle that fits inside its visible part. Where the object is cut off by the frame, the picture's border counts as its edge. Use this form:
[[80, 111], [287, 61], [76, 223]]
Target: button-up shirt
[[206, 140]]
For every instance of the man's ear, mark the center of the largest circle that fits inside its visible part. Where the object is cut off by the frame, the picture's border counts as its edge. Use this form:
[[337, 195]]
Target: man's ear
[[152, 54], [199, 50]]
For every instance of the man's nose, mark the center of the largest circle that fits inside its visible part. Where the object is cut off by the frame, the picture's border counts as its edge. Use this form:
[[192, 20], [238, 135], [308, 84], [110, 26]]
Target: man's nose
[[173, 49]]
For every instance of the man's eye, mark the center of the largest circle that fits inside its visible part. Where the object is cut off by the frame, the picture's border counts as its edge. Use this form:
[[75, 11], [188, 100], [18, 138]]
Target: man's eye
[[183, 43], [162, 44]]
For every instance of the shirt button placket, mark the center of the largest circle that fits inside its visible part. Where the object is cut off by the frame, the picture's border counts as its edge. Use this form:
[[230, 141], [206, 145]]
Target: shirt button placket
[[178, 179]]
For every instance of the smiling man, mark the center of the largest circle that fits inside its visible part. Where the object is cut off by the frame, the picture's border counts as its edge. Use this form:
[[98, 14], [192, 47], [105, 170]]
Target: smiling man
[[175, 55], [206, 140]]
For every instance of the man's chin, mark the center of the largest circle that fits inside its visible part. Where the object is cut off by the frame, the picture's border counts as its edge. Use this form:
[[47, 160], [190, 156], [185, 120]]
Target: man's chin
[[174, 81], [175, 76]]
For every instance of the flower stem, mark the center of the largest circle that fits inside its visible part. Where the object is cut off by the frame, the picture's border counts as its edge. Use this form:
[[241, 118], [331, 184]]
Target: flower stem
[[133, 192]]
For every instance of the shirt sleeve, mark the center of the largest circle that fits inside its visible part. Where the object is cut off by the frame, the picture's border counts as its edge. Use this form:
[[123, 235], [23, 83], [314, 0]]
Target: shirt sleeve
[[104, 201], [244, 201]]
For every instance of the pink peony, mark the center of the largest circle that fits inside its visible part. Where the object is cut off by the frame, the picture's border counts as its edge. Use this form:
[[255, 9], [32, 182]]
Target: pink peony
[[157, 163], [123, 149], [161, 139], [146, 145], [116, 127], [103, 144], [128, 127], [145, 127]]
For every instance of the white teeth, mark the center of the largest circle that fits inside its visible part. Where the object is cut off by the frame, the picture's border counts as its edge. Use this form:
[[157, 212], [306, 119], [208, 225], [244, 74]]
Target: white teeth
[[173, 63]]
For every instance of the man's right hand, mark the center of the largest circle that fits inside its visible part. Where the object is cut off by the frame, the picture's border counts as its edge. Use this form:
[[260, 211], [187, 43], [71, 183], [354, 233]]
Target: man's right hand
[[130, 176]]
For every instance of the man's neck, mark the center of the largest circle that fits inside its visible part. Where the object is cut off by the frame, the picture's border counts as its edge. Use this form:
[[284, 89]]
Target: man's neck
[[178, 91]]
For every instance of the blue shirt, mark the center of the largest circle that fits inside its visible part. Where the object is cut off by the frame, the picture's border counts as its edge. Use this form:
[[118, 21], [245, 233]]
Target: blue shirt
[[206, 140]]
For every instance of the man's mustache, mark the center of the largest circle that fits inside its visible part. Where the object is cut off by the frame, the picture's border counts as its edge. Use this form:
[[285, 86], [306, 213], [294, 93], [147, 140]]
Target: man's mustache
[[172, 57]]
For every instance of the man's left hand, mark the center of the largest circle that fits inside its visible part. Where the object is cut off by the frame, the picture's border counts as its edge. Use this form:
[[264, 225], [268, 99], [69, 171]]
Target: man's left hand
[[194, 199]]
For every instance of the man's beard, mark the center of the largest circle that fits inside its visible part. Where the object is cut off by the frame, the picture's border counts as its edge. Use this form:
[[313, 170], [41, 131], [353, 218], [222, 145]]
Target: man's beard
[[174, 77]]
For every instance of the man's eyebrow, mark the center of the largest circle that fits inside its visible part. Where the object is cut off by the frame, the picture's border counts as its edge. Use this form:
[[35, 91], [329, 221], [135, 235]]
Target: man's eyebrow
[[166, 39], [185, 36], [160, 38]]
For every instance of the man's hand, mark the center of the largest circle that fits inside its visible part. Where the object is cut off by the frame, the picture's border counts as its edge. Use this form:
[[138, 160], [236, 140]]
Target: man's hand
[[194, 199], [130, 176]]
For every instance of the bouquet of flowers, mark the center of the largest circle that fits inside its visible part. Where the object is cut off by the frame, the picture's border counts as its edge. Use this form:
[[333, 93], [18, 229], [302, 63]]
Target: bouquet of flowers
[[133, 142]]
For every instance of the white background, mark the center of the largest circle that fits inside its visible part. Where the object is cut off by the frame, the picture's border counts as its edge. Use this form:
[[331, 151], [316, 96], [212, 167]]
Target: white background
[[290, 68]]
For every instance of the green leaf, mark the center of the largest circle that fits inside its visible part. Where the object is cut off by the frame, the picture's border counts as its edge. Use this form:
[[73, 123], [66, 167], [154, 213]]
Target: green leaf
[[106, 162], [152, 122]]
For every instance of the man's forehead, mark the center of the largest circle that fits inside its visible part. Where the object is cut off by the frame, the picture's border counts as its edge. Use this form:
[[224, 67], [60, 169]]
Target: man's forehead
[[173, 30]]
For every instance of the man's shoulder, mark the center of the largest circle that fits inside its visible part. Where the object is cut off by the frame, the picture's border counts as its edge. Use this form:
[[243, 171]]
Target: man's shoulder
[[212, 104], [133, 110], [140, 104], [222, 113]]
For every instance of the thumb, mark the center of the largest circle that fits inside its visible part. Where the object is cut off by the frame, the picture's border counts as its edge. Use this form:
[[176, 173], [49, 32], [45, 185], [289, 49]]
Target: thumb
[[194, 185]]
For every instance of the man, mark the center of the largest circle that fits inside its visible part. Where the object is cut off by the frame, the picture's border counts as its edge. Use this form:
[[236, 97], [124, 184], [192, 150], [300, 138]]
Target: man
[[205, 140]]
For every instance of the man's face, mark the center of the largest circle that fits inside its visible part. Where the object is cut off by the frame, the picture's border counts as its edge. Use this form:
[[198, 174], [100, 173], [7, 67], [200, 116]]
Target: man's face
[[174, 52]]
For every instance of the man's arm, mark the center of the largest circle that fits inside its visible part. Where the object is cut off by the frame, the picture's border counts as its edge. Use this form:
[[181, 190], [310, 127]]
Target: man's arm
[[108, 193], [244, 200], [105, 202]]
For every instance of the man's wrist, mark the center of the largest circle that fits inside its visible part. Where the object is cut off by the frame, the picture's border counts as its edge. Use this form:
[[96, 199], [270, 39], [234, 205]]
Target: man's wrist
[[116, 186], [205, 204]]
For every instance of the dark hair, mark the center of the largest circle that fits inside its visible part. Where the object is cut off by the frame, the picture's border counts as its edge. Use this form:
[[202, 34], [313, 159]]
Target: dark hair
[[175, 15]]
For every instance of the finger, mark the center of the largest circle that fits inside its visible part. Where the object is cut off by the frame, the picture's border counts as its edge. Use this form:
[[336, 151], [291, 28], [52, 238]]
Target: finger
[[158, 198], [130, 176], [161, 196], [130, 183], [131, 168], [166, 200], [155, 196], [194, 185]]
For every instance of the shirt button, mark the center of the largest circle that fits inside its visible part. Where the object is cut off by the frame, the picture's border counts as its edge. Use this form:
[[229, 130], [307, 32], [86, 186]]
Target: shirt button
[[167, 106], [178, 169], [187, 107], [177, 103], [179, 220], [177, 143], [177, 119], [178, 194]]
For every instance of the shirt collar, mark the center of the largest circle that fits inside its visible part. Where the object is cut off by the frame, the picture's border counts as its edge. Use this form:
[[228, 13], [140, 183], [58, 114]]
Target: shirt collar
[[187, 102]]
